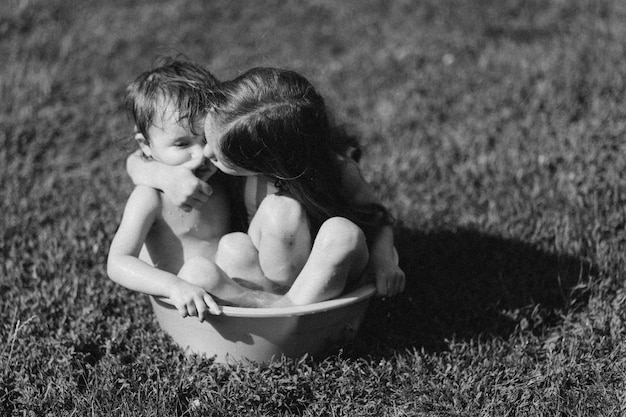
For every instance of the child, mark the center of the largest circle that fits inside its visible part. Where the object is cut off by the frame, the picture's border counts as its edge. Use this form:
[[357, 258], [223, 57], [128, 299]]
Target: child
[[273, 125], [156, 239]]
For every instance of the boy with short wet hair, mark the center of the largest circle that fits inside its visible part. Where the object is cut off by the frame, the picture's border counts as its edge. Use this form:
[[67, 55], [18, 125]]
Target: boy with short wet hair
[[156, 238]]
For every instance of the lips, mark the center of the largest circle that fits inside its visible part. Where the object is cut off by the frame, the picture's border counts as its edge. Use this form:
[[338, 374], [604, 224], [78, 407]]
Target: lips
[[205, 171]]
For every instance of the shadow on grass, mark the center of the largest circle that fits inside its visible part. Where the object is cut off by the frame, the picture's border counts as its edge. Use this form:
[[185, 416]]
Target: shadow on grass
[[463, 284]]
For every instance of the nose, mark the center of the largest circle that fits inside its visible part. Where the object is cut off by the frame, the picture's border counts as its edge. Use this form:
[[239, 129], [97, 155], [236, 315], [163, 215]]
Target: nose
[[208, 152], [197, 152]]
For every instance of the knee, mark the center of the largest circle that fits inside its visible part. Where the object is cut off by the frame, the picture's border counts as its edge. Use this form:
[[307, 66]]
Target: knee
[[196, 270], [235, 243], [339, 235], [237, 246], [282, 216]]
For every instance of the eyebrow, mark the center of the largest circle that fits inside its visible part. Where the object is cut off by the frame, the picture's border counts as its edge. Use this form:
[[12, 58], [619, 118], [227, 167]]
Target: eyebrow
[[180, 137]]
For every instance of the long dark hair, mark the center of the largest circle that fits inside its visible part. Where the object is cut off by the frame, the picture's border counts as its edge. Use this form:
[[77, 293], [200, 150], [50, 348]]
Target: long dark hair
[[276, 125]]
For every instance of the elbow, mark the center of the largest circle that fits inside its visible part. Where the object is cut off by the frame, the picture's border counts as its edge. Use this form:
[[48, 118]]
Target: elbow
[[112, 268], [129, 163]]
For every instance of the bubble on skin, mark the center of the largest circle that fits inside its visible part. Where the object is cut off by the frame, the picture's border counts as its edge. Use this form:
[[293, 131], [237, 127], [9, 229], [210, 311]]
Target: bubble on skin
[[448, 59]]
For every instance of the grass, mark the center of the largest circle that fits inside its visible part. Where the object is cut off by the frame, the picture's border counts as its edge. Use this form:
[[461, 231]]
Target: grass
[[493, 130]]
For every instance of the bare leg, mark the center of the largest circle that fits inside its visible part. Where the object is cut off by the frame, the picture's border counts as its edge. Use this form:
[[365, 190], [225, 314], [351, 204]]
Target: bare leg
[[238, 257], [339, 253], [280, 231], [206, 274]]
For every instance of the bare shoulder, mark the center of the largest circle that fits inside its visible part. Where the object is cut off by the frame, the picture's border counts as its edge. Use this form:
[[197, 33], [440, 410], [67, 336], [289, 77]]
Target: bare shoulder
[[350, 171], [144, 199], [354, 184]]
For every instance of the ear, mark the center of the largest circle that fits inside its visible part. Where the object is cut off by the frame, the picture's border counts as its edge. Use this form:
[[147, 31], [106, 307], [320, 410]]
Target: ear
[[144, 145]]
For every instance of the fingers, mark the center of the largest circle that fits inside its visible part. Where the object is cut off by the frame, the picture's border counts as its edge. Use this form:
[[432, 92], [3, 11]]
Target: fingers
[[389, 286], [205, 190], [200, 307], [206, 306], [198, 197], [191, 309], [182, 310], [201, 310], [399, 283], [396, 285], [381, 288], [202, 192], [214, 308]]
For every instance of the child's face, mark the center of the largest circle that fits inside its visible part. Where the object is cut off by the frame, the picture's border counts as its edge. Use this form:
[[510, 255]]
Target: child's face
[[213, 132], [172, 143]]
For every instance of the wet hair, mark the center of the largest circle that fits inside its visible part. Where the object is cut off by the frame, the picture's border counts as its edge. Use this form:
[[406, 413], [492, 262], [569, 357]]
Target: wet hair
[[275, 123], [188, 86]]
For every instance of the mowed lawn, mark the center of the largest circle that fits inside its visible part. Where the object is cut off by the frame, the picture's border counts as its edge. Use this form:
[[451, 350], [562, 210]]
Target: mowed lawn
[[493, 130]]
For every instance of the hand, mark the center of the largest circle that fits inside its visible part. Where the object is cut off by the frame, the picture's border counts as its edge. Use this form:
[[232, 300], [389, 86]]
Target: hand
[[191, 300], [178, 183], [185, 189], [389, 282], [388, 277]]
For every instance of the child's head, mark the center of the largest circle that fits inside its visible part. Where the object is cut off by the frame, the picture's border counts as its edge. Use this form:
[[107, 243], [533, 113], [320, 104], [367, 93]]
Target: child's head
[[186, 86], [168, 105], [271, 122]]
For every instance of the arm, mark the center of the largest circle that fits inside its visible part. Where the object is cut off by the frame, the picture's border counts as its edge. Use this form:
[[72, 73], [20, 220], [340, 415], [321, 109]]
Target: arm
[[178, 183], [125, 268], [383, 263], [357, 190]]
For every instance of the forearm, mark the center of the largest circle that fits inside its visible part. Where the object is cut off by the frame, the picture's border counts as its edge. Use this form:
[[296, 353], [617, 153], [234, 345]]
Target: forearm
[[383, 264], [137, 275], [178, 183], [145, 172], [381, 245]]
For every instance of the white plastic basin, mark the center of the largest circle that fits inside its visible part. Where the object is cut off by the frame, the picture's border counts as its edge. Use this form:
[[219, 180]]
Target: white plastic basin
[[258, 334]]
